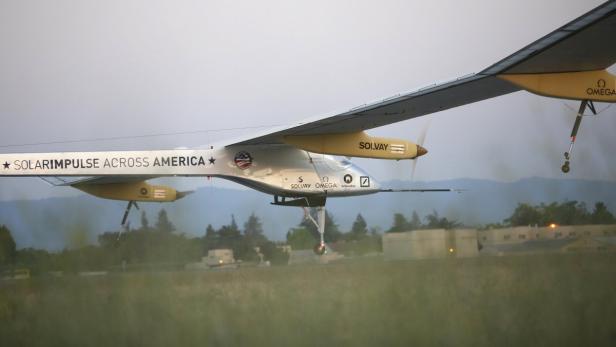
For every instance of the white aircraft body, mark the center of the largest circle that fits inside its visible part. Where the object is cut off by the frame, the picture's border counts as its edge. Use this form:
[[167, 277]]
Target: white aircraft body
[[297, 165], [277, 170]]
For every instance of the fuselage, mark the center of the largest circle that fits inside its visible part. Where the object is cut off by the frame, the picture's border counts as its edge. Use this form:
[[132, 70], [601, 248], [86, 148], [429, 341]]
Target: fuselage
[[291, 172], [274, 169]]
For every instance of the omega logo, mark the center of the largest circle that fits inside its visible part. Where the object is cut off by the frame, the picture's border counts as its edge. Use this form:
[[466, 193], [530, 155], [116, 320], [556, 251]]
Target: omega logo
[[601, 83], [601, 89]]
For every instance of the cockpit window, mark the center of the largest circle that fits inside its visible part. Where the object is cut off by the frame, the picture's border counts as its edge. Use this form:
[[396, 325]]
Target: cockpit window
[[345, 163]]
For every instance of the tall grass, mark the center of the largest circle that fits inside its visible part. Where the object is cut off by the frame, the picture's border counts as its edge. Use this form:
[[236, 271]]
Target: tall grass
[[563, 299]]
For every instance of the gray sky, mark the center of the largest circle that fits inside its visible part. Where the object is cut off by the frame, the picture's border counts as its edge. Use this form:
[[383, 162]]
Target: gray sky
[[91, 69]]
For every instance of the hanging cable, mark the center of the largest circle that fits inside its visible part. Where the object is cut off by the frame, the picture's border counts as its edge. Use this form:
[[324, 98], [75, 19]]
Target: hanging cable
[[115, 138]]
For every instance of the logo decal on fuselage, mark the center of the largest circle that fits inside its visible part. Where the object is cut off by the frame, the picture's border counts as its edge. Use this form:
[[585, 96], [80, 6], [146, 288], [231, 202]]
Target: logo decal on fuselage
[[243, 160], [348, 179], [364, 181]]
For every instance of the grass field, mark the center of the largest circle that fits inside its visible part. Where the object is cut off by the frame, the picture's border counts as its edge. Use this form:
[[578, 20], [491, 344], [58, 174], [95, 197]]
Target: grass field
[[536, 300]]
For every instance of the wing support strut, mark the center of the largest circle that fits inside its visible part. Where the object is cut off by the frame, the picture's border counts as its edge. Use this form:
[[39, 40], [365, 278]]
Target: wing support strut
[[576, 127]]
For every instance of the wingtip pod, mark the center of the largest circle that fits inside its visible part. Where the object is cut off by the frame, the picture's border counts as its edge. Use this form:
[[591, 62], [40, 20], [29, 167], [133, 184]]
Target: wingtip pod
[[597, 85], [570, 62]]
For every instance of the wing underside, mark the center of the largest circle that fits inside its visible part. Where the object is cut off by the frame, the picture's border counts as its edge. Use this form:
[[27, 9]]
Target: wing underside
[[92, 180]]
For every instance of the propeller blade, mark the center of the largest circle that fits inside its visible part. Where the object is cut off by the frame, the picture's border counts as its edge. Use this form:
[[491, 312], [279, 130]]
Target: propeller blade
[[414, 167], [424, 132], [420, 141]]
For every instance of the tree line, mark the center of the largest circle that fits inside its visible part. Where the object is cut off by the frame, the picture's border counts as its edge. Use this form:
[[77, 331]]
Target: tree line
[[159, 244], [155, 245], [563, 213], [432, 221]]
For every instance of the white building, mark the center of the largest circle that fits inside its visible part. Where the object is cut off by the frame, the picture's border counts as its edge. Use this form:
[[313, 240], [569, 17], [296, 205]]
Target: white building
[[430, 244], [219, 257]]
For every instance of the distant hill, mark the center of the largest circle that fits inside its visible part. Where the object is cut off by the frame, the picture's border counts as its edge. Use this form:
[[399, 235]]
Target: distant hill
[[56, 223]]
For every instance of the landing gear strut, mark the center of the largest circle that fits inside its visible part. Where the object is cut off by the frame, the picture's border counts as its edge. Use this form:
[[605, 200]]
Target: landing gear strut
[[576, 126], [320, 248], [124, 224]]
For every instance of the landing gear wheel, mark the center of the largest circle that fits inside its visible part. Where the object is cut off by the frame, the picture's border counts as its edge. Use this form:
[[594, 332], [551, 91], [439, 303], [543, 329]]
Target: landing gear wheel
[[565, 168], [319, 249]]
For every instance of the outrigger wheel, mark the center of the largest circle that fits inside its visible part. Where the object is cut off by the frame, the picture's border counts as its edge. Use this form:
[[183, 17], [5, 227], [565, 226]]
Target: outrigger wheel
[[319, 248], [565, 168]]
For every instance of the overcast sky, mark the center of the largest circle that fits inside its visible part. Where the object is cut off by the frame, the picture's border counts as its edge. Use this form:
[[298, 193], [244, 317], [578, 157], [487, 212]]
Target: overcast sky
[[98, 69]]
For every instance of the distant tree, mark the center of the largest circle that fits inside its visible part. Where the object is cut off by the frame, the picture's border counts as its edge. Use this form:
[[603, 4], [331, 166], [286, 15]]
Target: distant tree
[[233, 224], [229, 233], [244, 249], [243, 245], [145, 223], [400, 224], [37, 260], [8, 248], [300, 238], [231, 237], [565, 213], [211, 233], [437, 222], [359, 230], [524, 214], [332, 233], [211, 239], [163, 224], [415, 222], [253, 227], [601, 215]]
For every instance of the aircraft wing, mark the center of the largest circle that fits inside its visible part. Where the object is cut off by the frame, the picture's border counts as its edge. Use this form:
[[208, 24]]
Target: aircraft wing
[[584, 44]]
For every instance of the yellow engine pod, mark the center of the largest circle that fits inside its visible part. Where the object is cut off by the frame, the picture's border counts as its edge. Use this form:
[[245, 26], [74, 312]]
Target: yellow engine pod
[[131, 191], [357, 144], [597, 85]]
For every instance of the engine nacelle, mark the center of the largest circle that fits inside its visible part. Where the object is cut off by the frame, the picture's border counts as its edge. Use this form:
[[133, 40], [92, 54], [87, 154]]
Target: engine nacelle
[[132, 191], [357, 144]]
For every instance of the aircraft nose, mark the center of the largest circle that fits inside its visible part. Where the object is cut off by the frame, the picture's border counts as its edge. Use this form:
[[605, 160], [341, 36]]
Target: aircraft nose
[[421, 151]]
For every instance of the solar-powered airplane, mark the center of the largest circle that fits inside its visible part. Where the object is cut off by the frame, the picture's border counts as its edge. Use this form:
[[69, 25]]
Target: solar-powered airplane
[[296, 164]]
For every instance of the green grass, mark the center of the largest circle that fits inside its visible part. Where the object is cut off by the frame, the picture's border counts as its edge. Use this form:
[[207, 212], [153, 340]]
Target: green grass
[[523, 300]]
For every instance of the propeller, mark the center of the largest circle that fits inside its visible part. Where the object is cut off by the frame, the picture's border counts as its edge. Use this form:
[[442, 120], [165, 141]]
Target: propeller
[[420, 142]]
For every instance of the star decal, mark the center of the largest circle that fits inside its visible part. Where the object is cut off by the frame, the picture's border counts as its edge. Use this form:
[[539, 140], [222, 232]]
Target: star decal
[[6, 165], [212, 160]]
